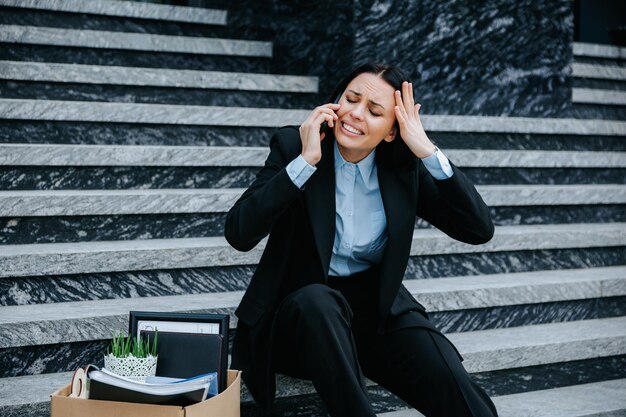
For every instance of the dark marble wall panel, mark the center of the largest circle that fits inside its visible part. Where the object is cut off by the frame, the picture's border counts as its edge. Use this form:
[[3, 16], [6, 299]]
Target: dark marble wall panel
[[26, 230], [80, 287], [520, 215], [615, 85], [94, 56], [612, 305], [497, 57], [154, 95], [123, 177], [500, 57], [507, 216], [525, 315], [596, 111], [64, 357], [514, 261], [88, 133], [534, 378], [309, 37], [616, 62], [503, 141], [545, 176]]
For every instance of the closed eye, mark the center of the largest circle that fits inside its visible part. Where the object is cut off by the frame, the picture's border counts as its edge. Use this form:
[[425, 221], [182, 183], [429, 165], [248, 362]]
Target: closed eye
[[371, 112]]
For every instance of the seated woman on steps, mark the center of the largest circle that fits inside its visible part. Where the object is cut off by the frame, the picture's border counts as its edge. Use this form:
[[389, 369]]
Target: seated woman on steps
[[326, 302]]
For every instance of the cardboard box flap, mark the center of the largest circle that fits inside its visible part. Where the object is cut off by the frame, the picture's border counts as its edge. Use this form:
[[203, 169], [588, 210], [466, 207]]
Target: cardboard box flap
[[226, 404]]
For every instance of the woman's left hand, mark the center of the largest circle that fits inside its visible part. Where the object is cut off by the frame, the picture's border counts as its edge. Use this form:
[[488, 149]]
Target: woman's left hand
[[411, 128]]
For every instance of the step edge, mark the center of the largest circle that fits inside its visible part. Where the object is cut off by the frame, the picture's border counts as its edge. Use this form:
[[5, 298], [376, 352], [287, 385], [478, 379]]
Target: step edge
[[129, 9]]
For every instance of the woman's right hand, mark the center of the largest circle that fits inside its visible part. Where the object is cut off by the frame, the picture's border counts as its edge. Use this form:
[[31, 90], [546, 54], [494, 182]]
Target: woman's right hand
[[310, 131]]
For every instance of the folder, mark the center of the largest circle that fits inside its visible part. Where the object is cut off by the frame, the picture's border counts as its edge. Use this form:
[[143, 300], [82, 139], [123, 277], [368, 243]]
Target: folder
[[185, 353]]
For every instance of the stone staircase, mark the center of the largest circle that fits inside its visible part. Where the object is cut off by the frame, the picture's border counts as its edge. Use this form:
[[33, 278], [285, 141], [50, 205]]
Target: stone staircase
[[126, 135]]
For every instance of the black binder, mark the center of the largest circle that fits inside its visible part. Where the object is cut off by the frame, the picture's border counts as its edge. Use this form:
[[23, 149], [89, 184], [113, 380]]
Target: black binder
[[107, 392], [186, 354]]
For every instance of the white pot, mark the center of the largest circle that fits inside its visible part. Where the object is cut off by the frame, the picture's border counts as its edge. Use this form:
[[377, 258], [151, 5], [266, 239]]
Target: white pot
[[131, 367]]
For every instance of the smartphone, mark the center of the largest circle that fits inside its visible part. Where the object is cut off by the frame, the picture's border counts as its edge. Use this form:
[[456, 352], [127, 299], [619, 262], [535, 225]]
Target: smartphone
[[324, 126]]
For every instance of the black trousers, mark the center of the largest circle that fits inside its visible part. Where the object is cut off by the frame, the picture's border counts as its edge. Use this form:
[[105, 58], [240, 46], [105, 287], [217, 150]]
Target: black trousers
[[327, 334]]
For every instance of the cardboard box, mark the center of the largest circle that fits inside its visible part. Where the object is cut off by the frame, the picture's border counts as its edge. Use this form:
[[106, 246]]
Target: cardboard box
[[225, 404]]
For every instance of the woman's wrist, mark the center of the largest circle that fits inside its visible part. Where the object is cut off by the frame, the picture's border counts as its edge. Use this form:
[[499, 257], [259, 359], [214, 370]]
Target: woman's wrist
[[422, 149], [311, 159]]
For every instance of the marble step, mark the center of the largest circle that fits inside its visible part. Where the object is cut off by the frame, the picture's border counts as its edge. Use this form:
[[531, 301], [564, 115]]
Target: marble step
[[599, 90], [156, 254], [483, 350], [597, 71], [37, 90], [160, 86], [497, 349], [52, 110], [131, 9], [61, 357], [23, 154], [220, 28], [120, 177], [598, 96], [24, 131], [136, 58], [98, 39], [82, 321], [128, 227], [598, 399], [598, 50], [66, 286], [157, 77], [110, 167], [167, 201]]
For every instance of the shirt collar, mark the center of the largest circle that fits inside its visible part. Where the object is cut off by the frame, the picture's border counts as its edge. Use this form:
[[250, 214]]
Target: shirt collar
[[366, 165]]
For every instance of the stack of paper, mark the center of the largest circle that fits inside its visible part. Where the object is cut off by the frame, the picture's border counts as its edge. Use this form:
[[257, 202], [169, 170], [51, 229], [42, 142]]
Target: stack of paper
[[105, 385]]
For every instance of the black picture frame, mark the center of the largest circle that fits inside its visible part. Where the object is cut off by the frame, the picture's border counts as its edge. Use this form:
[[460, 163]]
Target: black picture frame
[[194, 343]]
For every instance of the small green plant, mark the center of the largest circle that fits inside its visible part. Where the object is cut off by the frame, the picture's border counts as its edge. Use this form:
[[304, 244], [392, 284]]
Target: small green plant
[[122, 346]]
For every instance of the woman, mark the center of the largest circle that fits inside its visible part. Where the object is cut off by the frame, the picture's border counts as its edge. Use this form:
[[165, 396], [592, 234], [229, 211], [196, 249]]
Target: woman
[[326, 302]]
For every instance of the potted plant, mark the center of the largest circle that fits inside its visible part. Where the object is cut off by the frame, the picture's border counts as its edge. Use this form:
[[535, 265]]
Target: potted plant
[[134, 358]]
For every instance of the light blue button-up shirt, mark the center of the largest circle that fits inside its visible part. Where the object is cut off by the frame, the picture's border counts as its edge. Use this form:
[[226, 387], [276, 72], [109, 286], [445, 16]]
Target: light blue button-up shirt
[[360, 222]]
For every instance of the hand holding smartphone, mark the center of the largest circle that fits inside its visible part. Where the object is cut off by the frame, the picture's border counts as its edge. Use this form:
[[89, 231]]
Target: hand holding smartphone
[[315, 128], [324, 127]]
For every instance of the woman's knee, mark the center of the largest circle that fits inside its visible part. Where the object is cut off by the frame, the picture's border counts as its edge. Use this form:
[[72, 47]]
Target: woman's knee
[[318, 300]]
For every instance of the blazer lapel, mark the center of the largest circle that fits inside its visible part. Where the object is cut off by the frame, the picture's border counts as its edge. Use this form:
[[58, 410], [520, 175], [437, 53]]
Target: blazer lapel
[[398, 192], [319, 195]]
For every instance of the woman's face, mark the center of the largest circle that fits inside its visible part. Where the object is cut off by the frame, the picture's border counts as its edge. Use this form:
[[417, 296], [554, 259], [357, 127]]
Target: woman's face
[[366, 116]]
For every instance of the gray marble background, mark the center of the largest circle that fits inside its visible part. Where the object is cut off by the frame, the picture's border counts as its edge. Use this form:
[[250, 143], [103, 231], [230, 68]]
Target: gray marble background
[[495, 57]]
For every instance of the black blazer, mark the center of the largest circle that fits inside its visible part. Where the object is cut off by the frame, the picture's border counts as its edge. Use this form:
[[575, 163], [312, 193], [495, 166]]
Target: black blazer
[[301, 228]]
